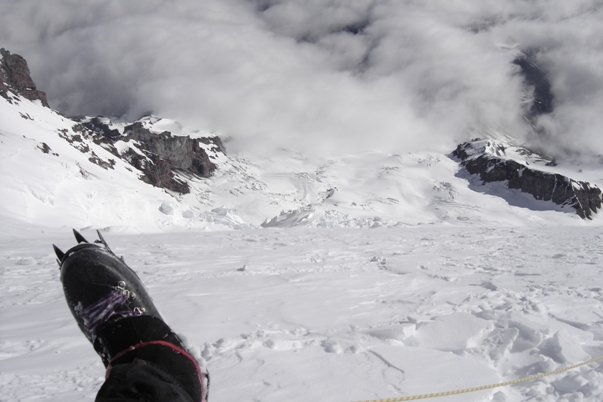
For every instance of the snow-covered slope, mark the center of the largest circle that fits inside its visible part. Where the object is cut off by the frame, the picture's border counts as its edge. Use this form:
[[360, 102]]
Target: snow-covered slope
[[50, 179]]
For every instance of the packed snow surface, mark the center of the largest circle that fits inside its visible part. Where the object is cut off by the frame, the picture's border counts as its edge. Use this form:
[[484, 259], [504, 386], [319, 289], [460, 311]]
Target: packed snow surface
[[329, 314]]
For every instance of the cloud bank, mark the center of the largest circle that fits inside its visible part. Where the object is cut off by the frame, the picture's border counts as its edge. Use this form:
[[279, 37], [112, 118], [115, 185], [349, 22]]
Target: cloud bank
[[322, 75]]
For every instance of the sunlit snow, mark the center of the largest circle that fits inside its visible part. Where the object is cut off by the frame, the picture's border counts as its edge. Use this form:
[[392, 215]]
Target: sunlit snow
[[330, 314], [298, 278], [339, 252]]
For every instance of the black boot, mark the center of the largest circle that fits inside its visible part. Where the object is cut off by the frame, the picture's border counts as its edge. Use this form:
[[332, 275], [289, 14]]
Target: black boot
[[117, 315]]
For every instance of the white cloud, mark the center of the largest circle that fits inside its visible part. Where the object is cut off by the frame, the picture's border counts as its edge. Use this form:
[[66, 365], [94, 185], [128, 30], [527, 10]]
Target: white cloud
[[326, 75]]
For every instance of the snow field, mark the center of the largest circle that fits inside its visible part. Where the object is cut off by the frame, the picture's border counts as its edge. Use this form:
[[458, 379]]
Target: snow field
[[63, 185], [333, 315]]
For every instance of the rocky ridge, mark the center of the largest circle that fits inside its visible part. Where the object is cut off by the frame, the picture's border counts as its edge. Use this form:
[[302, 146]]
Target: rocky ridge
[[165, 160], [490, 160], [15, 77]]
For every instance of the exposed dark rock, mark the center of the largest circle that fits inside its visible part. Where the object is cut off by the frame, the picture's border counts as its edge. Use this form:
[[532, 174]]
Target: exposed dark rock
[[15, 77], [537, 83], [164, 159], [157, 172], [487, 158], [218, 146], [97, 125], [98, 161], [165, 154], [96, 136], [158, 156], [182, 153], [46, 149]]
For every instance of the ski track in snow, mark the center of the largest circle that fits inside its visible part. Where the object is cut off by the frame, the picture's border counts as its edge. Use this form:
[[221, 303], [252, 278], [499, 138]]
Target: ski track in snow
[[330, 314]]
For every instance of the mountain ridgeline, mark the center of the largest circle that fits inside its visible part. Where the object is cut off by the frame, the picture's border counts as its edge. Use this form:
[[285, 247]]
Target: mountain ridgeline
[[160, 153], [164, 159], [15, 78]]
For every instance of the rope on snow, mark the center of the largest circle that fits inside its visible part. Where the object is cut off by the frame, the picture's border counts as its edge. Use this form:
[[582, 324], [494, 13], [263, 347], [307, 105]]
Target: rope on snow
[[484, 387]]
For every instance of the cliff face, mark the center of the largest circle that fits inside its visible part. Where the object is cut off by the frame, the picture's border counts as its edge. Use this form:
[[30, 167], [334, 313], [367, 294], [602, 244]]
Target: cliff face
[[183, 153], [488, 159], [15, 77], [162, 157]]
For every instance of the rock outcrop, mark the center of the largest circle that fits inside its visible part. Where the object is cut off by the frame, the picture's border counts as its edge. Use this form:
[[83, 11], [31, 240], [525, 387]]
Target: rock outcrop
[[97, 125], [15, 77], [167, 154], [183, 153], [163, 158], [489, 160]]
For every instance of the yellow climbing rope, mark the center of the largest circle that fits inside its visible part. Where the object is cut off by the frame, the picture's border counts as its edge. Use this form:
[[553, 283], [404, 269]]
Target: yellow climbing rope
[[484, 387]]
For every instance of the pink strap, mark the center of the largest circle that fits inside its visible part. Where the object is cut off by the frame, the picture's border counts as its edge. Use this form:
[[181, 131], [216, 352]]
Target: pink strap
[[169, 345]]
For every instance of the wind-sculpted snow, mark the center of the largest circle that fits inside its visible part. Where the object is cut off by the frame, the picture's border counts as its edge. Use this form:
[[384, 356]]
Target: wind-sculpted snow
[[330, 315]]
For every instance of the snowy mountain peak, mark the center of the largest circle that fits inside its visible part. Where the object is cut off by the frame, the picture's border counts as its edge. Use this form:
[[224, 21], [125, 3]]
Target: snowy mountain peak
[[500, 148]]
